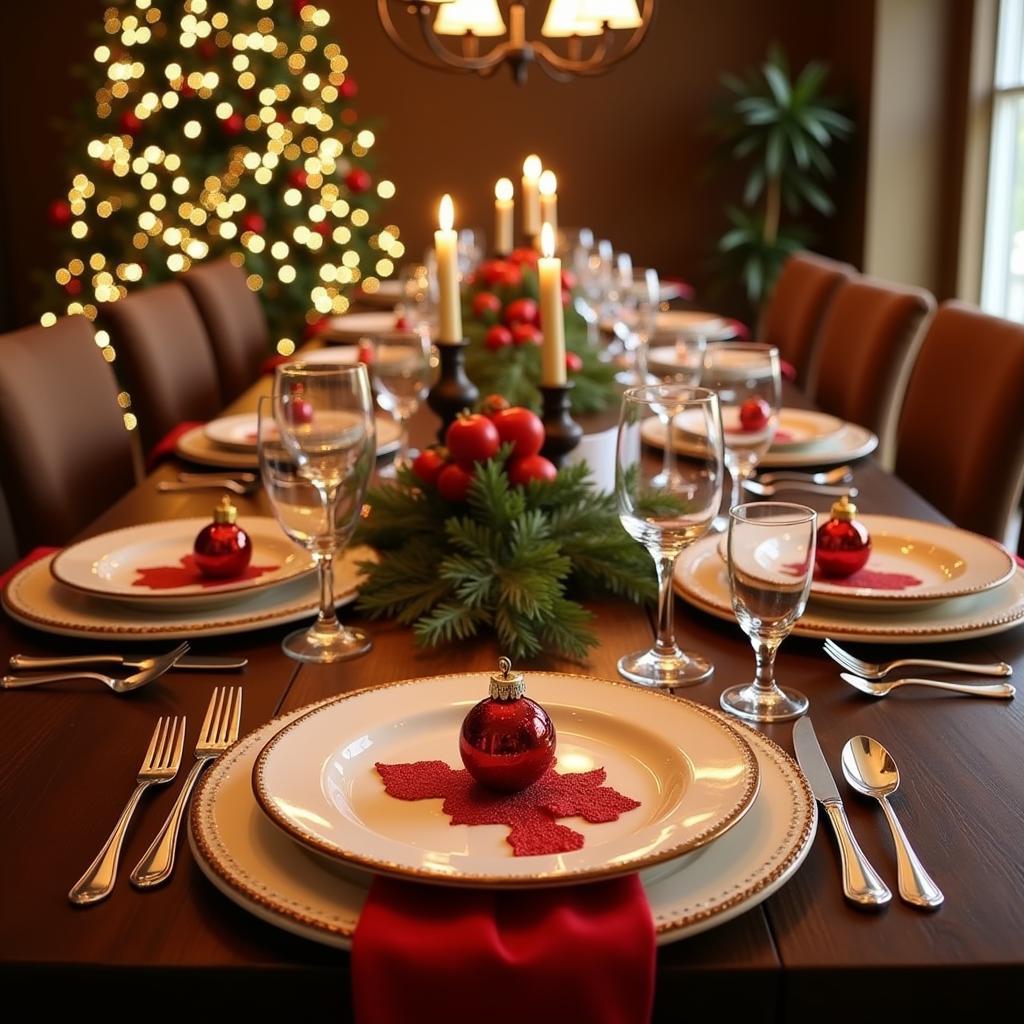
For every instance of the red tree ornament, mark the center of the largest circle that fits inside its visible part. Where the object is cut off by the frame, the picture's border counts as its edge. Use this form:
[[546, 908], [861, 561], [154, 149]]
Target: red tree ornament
[[349, 88], [844, 544], [130, 123], [222, 548], [254, 221], [298, 177], [358, 181], [59, 212]]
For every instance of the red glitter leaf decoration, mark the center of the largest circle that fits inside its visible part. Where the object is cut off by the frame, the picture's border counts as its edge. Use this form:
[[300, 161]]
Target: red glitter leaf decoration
[[876, 579], [171, 577], [530, 814]]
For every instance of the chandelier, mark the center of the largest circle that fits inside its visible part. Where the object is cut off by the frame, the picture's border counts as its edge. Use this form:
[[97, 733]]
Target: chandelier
[[594, 34]]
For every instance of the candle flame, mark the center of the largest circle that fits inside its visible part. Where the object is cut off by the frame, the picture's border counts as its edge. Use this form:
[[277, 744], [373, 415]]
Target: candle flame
[[532, 167], [548, 184], [503, 190], [547, 241], [446, 214]]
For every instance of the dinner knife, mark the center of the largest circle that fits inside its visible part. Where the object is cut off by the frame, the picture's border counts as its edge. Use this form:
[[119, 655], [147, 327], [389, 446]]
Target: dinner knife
[[189, 662], [861, 883]]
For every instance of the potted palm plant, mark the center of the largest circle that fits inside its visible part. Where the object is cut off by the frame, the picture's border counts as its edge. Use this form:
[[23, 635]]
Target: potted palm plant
[[783, 129]]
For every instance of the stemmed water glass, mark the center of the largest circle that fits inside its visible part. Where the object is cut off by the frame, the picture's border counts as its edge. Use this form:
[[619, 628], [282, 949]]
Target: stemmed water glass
[[676, 358], [317, 445], [667, 508], [747, 380], [771, 564], [400, 372]]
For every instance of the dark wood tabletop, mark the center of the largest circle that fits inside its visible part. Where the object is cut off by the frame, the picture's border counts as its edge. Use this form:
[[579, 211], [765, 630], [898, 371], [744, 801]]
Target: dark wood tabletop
[[67, 756]]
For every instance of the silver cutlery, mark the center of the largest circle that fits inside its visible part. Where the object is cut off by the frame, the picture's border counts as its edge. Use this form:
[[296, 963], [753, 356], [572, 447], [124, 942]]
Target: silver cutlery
[[764, 490], [839, 475], [186, 663], [221, 483], [870, 769], [155, 667], [220, 730], [878, 670], [861, 883], [159, 766], [241, 477], [1005, 690]]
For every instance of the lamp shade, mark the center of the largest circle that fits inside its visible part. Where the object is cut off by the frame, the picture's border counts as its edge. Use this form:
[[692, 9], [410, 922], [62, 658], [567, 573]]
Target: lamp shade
[[563, 19], [481, 17], [616, 13]]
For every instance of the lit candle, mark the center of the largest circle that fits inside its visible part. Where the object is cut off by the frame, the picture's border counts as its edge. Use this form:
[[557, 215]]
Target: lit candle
[[446, 248], [532, 168], [549, 200], [503, 213], [552, 319]]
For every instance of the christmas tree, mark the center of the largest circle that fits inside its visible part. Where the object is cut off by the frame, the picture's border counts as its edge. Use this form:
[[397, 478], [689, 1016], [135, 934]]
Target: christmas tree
[[222, 127]]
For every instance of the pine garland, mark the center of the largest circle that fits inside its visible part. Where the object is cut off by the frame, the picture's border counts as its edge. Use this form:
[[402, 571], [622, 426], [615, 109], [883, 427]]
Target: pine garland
[[505, 561]]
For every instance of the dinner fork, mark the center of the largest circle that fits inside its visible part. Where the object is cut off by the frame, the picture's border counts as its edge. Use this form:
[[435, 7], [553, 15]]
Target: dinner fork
[[159, 766], [769, 490], [220, 730], [152, 669], [221, 483], [839, 475], [879, 670]]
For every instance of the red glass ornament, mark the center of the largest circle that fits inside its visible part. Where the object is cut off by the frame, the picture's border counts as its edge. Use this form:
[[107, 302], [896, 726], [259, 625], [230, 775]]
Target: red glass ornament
[[844, 544], [298, 177], [74, 286], [233, 124], [223, 549], [507, 741], [130, 123], [358, 181], [349, 88], [254, 222], [60, 212]]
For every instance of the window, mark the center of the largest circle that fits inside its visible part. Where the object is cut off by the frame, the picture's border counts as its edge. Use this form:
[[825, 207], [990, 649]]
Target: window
[[1002, 282]]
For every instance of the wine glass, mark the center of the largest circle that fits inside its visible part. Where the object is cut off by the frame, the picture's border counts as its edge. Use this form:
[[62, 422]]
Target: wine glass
[[668, 509], [771, 563], [747, 380], [676, 357], [415, 304], [400, 373], [323, 416]]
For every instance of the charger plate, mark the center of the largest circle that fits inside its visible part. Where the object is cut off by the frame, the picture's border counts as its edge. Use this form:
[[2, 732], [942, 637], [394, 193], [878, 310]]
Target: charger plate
[[35, 598], [263, 871], [693, 774], [702, 579], [107, 566]]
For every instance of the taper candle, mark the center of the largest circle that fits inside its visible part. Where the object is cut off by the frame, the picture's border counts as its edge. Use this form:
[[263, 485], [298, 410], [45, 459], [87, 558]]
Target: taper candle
[[548, 185], [503, 217], [446, 248], [552, 317], [532, 168]]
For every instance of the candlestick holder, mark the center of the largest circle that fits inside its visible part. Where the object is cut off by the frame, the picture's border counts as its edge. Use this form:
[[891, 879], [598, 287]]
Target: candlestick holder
[[561, 432], [453, 391]]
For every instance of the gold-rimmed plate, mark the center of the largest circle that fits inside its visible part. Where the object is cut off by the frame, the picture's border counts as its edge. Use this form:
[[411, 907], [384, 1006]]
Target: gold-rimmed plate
[[260, 868], [316, 779]]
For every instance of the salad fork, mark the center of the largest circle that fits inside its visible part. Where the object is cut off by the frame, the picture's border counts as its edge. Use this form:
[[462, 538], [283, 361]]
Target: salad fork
[[220, 730], [159, 766], [973, 689], [839, 475], [152, 668], [879, 670]]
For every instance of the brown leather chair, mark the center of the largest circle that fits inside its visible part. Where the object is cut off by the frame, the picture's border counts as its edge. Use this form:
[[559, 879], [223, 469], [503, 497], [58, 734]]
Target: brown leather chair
[[868, 340], [961, 433], [797, 306], [234, 322], [164, 358], [66, 453]]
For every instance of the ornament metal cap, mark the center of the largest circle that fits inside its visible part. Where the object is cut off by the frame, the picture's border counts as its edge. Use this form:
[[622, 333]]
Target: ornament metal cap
[[844, 510], [506, 684], [225, 512]]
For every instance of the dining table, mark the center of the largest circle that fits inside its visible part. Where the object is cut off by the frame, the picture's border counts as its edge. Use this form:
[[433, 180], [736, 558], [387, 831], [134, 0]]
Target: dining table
[[804, 954]]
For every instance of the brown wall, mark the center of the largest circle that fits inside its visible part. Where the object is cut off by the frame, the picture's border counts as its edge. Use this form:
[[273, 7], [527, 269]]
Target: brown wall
[[630, 149]]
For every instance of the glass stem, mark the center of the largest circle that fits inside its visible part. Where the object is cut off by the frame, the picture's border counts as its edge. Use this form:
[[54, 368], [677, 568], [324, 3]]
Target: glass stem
[[666, 640], [402, 458], [668, 466], [764, 677], [734, 494], [327, 620]]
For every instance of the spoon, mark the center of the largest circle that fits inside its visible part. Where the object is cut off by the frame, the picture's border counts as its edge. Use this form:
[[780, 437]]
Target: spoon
[[974, 689], [152, 668], [870, 769]]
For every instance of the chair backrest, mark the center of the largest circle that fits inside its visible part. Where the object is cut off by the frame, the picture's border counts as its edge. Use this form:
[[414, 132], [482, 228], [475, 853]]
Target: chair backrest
[[164, 357], [66, 453], [793, 316], [234, 322], [961, 434], [869, 336]]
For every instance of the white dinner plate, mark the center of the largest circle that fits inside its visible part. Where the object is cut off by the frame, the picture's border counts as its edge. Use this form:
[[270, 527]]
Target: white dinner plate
[[847, 444], [110, 565], [389, 294], [701, 579], [316, 779], [35, 598], [331, 354], [801, 428], [353, 326], [195, 446], [693, 321], [948, 562], [262, 870]]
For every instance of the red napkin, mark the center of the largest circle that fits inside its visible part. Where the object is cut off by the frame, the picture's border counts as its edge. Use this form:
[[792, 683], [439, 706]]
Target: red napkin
[[787, 369], [686, 290], [33, 556], [164, 448], [740, 329], [430, 954], [271, 363]]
